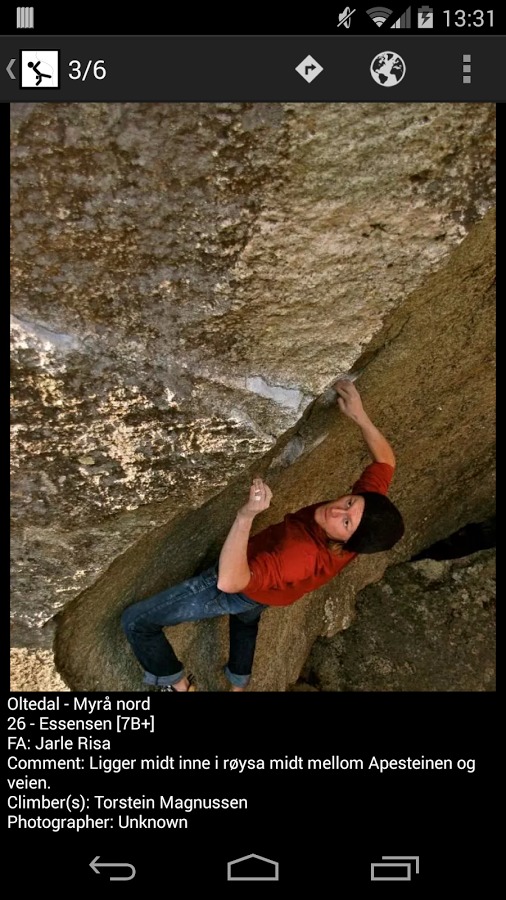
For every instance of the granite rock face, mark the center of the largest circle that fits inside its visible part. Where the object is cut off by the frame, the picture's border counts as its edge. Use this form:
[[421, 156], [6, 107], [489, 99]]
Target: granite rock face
[[429, 383], [186, 280], [427, 626], [34, 670]]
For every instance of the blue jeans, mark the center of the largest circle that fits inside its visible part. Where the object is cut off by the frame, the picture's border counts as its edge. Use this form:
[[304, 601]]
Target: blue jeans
[[196, 598]]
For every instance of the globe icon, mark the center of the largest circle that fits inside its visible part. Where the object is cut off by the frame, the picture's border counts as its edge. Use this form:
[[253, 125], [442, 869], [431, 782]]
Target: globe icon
[[388, 68]]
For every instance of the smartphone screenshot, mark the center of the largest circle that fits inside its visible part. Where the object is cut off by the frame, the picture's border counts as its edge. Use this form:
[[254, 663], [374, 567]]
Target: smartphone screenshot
[[252, 449]]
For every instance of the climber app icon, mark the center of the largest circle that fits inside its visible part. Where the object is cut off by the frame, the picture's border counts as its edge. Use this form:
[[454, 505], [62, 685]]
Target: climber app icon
[[39, 68]]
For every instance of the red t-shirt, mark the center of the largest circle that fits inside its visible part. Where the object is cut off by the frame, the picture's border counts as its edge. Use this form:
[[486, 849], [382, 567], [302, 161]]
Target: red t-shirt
[[291, 558]]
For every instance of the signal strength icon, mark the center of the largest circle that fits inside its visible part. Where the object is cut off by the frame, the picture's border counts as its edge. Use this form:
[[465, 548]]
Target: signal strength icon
[[379, 14], [403, 21]]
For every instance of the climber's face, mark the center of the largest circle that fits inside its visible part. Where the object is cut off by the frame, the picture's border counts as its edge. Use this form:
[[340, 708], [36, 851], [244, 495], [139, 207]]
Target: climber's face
[[340, 518]]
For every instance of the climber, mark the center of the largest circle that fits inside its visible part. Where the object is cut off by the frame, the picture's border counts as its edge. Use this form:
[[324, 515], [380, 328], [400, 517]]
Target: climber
[[275, 567]]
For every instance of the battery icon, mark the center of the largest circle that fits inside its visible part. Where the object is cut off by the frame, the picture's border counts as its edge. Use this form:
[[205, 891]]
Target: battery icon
[[425, 17]]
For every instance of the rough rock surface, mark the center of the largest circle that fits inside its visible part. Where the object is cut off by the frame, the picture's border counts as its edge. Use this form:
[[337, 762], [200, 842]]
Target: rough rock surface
[[429, 382], [427, 626], [33, 670], [186, 279]]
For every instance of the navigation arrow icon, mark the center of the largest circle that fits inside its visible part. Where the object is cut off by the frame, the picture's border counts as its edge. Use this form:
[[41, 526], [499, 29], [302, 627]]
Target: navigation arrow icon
[[309, 68], [94, 865], [9, 67]]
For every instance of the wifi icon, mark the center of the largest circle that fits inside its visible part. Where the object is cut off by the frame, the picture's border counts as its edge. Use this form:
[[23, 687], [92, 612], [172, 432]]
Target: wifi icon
[[379, 14]]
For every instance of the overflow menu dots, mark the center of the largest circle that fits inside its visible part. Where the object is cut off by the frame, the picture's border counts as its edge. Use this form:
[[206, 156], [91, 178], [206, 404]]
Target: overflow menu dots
[[85, 738]]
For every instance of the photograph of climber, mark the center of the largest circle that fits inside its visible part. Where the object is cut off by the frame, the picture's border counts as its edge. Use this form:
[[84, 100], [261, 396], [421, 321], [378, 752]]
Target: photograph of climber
[[275, 568], [204, 297]]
